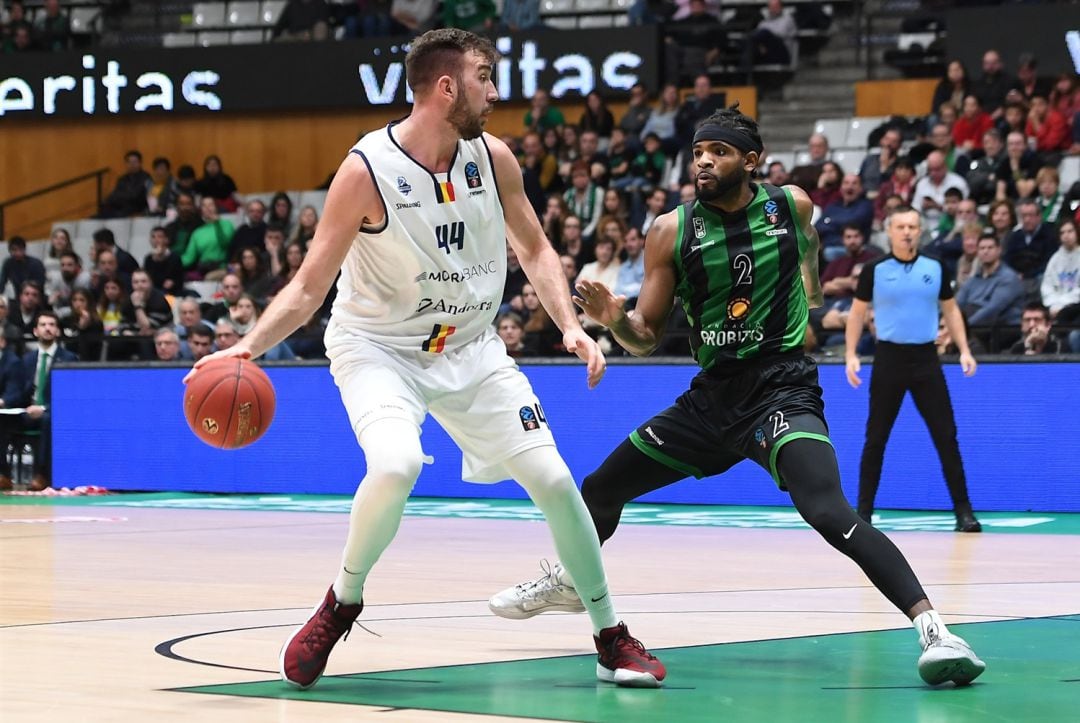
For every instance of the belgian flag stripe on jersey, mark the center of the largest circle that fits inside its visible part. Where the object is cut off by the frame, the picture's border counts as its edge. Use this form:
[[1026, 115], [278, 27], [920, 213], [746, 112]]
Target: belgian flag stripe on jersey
[[437, 341], [444, 191]]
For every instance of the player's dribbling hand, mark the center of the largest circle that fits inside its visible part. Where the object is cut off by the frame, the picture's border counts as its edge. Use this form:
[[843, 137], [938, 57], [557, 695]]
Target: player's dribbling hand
[[598, 303], [234, 351], [586, 348], [853, 367]]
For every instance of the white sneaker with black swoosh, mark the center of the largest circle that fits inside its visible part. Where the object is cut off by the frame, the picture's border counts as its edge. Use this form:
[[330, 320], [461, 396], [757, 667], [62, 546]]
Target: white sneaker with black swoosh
[[547, 593]]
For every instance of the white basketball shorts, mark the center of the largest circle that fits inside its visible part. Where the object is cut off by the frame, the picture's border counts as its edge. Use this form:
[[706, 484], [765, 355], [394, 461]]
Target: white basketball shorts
[[475, 392]]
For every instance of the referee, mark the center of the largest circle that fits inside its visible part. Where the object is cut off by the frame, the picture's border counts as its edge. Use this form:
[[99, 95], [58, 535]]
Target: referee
[[906, 289]]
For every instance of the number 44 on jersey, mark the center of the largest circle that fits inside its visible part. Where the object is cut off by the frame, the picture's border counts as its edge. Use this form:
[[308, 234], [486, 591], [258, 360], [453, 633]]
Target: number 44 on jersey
[[450, 234]]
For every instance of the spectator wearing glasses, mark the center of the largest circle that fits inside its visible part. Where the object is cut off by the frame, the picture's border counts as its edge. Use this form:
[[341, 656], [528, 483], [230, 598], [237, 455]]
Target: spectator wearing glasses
[[1036, 337]]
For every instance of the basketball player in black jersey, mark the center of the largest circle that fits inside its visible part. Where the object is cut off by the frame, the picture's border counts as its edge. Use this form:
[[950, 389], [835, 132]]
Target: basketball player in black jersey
[[742, 258]]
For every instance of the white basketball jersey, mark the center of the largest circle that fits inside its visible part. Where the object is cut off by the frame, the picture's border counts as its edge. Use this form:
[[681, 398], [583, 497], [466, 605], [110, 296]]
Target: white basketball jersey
[[431, 278]]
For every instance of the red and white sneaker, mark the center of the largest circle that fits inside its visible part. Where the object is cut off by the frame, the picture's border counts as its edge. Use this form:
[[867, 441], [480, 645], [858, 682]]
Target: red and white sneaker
[[623, 660], [306, 652]]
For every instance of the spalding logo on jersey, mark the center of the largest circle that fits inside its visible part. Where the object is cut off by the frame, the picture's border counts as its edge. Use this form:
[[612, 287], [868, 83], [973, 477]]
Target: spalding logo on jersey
[[472, 175]]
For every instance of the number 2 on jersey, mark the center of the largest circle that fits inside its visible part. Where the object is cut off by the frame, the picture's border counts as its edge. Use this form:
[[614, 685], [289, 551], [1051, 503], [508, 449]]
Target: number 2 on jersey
[[451, 234], [779, 424]]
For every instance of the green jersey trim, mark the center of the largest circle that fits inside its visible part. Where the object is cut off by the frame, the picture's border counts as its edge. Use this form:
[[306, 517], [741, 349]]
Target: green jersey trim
[[784, 440], [654, 453]]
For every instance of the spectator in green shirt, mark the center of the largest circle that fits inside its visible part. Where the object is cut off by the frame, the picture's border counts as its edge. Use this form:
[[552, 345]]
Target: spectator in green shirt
[[542, 115], [476, 16], [208, 247]]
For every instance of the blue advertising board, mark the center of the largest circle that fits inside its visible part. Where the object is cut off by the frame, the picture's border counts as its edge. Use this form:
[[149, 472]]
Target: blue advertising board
[[125, 429]]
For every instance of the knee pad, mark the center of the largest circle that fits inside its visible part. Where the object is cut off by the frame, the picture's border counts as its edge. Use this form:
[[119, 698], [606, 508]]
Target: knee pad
[[392, 450]]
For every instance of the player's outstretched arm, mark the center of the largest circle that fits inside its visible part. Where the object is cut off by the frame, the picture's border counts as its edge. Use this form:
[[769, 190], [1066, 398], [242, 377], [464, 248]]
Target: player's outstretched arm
[[640, 331], [811, 276], [539, 259], [351, 201]]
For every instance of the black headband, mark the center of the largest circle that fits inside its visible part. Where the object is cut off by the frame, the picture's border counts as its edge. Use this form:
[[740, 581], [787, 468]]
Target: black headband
[[737, 139]]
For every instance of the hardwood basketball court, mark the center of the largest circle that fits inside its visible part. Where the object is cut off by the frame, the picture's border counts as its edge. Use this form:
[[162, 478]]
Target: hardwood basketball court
[[119, 613]]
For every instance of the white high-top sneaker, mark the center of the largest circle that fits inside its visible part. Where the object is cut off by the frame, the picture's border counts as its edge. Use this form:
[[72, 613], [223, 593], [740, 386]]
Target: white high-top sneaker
[[947, 657], [548, 593]]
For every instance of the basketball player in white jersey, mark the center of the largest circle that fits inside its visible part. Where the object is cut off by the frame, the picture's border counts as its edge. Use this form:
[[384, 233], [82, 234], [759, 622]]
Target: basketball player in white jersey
[[435, 199]]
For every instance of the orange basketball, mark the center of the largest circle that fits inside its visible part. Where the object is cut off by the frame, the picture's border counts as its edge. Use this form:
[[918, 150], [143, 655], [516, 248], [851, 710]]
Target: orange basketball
[[229, 403]]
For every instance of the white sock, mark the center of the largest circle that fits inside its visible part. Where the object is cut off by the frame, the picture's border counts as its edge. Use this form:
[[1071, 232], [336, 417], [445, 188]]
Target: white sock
[[929, 625], [565, 578], [349, 586], [545, 476]]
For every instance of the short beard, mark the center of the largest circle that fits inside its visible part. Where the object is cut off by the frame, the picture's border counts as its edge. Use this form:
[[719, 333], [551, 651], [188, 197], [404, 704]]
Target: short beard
[[467, 124], [722, 188]]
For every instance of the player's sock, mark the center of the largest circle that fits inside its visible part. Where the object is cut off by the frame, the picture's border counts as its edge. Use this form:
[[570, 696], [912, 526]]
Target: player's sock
[[929, 625], [394, 458], [545, 476]]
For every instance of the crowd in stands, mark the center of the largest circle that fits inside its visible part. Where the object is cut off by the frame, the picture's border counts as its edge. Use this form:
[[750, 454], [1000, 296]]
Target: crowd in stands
[[49, 28], [984, 170], [988, 188], [112, 306], [699, 35]]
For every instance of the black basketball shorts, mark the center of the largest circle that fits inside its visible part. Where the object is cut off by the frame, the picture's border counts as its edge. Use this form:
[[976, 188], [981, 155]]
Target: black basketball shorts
[[730, 415]]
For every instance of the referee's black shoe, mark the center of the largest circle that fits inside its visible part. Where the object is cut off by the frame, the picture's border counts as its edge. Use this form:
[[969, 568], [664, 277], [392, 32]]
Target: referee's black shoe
[[966, 522]]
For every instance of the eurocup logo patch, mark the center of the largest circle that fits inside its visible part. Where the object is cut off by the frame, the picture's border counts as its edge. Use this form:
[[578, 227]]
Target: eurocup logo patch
[[403, 186], [528, 419], [771, 210], [759, 437], [472, 175]]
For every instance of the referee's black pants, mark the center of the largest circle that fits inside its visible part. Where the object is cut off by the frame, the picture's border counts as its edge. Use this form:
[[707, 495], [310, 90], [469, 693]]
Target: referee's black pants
[[899, 369]]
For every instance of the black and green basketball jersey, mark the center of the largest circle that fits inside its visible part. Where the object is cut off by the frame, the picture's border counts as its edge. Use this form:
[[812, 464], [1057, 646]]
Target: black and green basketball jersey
[[739, 277]]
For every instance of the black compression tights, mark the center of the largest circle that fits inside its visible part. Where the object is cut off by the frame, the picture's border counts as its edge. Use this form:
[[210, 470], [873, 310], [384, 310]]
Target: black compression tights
[[813, 479]]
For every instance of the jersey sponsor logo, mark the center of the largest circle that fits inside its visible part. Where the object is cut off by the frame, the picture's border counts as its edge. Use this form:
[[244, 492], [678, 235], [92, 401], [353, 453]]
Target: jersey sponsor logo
[[437, 341], [727, 337], [398, 206], [702, 247], [403, 186], [776, 231], [456, 277], [926, 279], [472, 176], [654, 436], [738, 308], [771, 214], [441, 306], [699, 227], [532, 417]]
